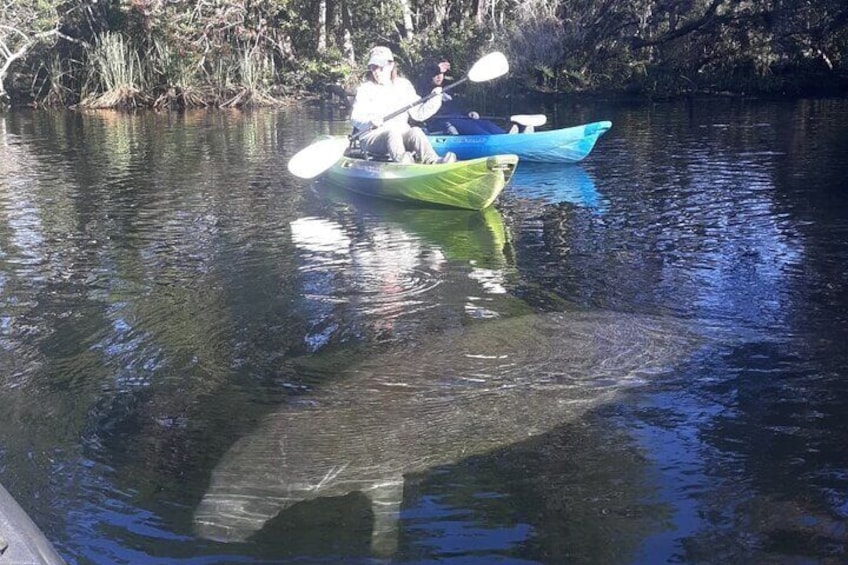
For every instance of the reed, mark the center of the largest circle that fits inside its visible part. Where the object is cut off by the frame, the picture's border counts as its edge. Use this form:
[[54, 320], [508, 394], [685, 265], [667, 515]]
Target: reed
[[116, 76], [178, 82], [255, 71], [219, 79], [53, 92]]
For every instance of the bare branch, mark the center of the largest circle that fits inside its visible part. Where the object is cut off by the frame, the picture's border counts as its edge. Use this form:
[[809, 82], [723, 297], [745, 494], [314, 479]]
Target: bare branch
[[708, 17]]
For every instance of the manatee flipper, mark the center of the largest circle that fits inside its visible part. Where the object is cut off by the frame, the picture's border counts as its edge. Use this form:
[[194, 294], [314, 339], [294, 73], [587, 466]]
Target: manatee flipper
[[386, 500]]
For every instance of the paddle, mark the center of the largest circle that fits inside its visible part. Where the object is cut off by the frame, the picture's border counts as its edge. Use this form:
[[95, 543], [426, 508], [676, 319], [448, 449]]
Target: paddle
[[314, 159]]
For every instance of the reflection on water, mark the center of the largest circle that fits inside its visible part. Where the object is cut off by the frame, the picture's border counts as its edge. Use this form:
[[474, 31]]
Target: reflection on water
[[555, 183], [191, 340], [374, 259], [477, 237]]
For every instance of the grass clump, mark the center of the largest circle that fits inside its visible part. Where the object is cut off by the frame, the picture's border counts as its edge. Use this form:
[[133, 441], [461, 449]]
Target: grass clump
[[116, 76]]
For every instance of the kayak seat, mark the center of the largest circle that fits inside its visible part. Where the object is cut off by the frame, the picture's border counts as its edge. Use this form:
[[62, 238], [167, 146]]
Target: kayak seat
[[382, 157], [357, 153]]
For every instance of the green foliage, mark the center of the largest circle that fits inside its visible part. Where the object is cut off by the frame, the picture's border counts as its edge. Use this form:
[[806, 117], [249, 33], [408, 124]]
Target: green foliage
[[214, 51], [326, 68], [460, 44], [172, 65], [375, 22], [671, 47]]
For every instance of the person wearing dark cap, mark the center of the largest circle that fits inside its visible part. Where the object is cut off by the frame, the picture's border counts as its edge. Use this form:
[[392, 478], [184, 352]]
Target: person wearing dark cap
[[433, 75], [383, 92], [451, 118]]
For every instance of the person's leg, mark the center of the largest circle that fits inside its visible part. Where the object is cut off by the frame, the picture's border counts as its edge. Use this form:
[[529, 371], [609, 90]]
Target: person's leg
[[415, 140], [491, 127], [470, 126], [386, 141], [438, 125]]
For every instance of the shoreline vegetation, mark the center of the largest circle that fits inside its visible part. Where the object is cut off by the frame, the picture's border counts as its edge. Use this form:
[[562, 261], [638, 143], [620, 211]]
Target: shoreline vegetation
[[180, 54]]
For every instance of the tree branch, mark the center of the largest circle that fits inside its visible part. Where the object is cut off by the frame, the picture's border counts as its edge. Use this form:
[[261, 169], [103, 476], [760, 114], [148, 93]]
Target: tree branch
[[708, 17], [29, 41]]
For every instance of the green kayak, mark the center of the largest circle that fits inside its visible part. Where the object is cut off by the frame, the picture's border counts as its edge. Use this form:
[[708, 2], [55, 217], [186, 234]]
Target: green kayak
[[472, 185]]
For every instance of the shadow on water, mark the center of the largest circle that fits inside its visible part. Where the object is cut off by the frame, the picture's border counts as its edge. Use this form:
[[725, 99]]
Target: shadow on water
[[748, 425]]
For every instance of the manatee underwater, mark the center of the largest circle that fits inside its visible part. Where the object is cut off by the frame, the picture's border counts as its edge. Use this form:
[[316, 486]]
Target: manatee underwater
[[464, 393]]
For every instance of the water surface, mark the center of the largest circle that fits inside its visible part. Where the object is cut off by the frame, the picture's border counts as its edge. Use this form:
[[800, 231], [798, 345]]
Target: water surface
[[171, 298]]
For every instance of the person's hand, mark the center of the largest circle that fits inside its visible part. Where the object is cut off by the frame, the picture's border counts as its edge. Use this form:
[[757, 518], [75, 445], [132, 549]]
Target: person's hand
[[437, 90], [444, 66], [376, 122], [446, 97]]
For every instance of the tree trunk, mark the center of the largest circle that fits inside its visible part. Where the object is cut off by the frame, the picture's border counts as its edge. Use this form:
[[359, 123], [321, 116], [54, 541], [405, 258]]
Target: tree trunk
[[347, 46], [322, 26], [349, 54], [409, 27], [440, 14], [480, 11]]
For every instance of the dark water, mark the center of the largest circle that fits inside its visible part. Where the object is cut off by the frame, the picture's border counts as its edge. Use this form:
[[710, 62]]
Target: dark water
[[638, 359]]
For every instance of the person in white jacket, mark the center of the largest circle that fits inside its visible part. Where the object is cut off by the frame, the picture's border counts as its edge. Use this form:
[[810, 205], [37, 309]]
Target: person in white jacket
[[383, 92]]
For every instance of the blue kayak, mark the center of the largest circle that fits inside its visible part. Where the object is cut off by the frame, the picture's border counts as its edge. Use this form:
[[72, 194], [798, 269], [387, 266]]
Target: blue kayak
[[567, 145]]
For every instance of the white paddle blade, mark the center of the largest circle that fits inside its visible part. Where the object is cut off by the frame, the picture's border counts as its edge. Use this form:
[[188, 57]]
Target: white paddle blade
[[488, 67], [534, 120], [314, 159]]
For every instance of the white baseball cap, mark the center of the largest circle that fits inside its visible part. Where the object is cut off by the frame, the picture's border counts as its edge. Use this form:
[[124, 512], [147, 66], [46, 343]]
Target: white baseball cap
[[380, 56]]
